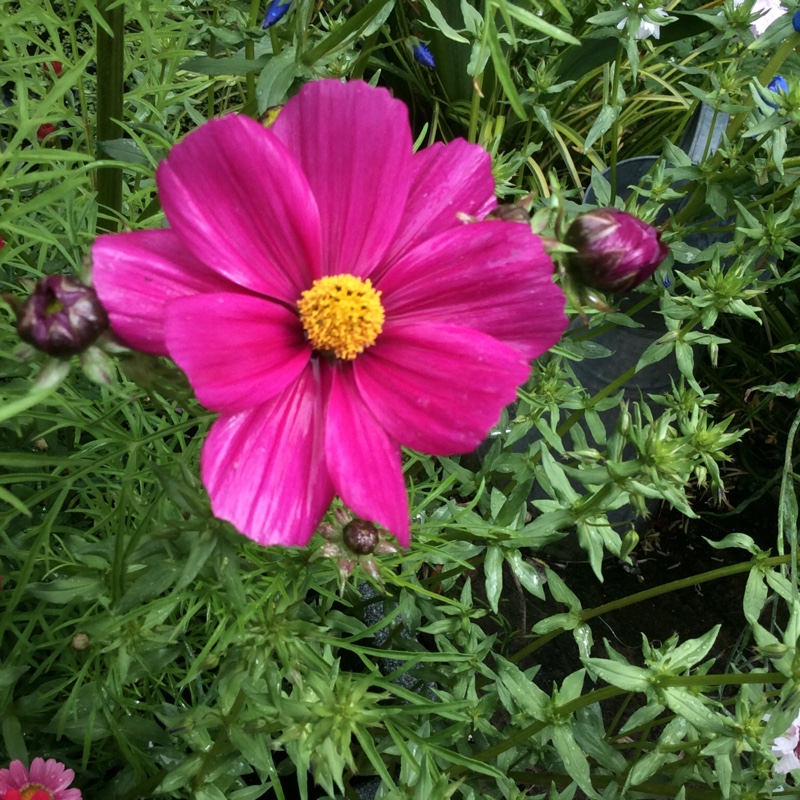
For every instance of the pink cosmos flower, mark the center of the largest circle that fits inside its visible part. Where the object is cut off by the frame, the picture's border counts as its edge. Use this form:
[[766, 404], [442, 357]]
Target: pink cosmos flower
[[46, 780], [787, 749], [320, 292]]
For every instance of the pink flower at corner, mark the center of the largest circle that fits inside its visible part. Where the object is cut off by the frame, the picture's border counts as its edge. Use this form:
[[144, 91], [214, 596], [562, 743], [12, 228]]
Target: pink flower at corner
[[46, 780], [787, 749], [318, 289]]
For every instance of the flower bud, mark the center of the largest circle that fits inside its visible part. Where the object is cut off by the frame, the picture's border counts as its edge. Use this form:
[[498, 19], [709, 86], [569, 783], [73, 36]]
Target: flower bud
[[62, 316], [778, 84], [615, 250], [44, 130], [423, 55], [276, 11], [360, 536]]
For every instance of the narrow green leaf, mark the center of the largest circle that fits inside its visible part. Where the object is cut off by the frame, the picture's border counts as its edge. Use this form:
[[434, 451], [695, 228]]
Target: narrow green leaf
[[695, 711], [605, 119], [14, 501], [230, 65], [503, 72], [625, 676], [493, 567], [575, 762], [526, 695], [538, 24], [441, 23], [360, 20]]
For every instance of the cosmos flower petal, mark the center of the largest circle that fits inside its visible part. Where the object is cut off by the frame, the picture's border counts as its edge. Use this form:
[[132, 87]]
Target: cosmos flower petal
[[364, 461], [430, 401], [51, 773], [137, 274], [354, 145], [265, 468], [270, 351], [448, 179], [490, 276], [239, 201], [19, 774]]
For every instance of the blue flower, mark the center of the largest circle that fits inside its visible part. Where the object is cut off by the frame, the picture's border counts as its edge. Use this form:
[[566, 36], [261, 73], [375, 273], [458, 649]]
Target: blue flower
[[275, 12], [423, 55], [778, 84], [796, 21]]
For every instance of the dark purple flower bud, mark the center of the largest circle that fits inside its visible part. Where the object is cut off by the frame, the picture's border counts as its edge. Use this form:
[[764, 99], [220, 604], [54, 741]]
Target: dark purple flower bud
[[615, 250], [275, 12], [360, 536], [796, 21], [423, 55], [62, 317]]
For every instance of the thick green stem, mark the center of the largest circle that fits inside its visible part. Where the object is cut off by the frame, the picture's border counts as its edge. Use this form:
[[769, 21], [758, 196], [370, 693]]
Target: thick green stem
[[656, 591], [110, 91]]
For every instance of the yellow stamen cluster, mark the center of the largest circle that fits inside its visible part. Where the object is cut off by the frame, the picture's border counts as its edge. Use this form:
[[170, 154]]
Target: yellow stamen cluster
[[29, 791], [341, 314]]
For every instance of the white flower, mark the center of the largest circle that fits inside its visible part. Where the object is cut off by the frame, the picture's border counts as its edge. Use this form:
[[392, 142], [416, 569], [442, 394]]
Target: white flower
[[646, 27], [787, 749], [769, 11]]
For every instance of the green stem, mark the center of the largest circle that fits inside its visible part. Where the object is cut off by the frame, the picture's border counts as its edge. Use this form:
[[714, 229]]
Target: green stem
[[608, 692], [785, 503], [212, 51], [656, 591], [615, 125], [250, 52], [600, 781], [475, 108], [110, 93]]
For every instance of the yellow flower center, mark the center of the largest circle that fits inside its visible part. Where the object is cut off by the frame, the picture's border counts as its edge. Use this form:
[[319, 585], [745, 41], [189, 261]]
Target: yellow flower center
[[29, 792], [341, 314]]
